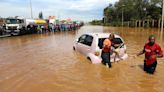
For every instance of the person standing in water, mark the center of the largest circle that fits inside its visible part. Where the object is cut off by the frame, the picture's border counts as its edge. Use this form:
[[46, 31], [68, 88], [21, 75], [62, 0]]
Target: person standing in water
[[106, 52], [115, 47], [152, 51]]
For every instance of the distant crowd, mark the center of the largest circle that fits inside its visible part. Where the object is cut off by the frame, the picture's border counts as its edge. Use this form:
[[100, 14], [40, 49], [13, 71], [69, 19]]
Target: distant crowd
[[41, 28]]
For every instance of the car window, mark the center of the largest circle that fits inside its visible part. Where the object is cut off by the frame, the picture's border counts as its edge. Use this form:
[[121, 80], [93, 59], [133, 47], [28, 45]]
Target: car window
[[88, 40], [117, 41], [82, 39], [100, 43]]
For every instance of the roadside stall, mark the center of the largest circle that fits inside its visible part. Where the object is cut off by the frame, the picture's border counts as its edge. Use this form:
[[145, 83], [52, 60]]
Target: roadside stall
[[42, 25]]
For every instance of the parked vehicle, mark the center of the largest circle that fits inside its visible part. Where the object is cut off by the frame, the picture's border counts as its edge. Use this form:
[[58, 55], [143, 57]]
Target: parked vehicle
[[20, 26], [91, 46], [1, 30]]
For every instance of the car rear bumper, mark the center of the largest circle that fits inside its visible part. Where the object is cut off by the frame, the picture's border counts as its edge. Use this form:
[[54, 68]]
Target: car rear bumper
[[125, 56], [96, 59]]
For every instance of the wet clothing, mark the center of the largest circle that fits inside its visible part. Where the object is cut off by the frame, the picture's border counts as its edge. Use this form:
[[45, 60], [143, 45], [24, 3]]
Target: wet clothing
[[150, 68], [150, 51], [106, 45], [106, 58], [106, 49], [151, 63], [106, 52]]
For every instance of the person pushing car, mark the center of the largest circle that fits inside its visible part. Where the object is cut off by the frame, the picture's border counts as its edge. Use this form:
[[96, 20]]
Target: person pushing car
[[106, 52]]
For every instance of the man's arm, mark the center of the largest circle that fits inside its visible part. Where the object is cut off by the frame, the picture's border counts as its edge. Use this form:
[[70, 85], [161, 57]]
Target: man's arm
[[160, 55], [140, 53], [159, 52]]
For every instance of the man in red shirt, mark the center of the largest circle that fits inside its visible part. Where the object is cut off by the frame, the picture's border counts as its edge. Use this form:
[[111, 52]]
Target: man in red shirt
[[152, 51]]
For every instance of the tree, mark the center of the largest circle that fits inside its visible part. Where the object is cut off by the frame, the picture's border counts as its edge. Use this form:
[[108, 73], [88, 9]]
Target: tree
[[133, 10], [40, 15], [96, 22]]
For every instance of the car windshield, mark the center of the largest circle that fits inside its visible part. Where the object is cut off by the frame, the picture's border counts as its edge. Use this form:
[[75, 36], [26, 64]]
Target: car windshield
[[115, 41], [13, 21]]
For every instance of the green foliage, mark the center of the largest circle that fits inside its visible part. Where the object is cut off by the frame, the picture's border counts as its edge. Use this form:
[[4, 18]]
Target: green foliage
[[40, 15], [133, 10], [96, 22]]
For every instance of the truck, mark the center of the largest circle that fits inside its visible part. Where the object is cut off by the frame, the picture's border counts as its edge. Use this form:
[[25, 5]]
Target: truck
[[2, 22], [20, 26]]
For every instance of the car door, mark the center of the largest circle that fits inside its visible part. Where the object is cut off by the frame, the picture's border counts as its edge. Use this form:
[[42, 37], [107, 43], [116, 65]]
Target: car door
[[80, 42], [87, 47], [85, 44]]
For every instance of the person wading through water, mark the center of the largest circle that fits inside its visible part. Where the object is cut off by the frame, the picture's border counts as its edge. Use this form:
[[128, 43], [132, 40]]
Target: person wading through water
[[152, 51], [115, 47], [106, 52]]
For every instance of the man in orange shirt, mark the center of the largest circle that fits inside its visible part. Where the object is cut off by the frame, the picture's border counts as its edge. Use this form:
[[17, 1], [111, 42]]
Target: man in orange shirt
[[106, 53]]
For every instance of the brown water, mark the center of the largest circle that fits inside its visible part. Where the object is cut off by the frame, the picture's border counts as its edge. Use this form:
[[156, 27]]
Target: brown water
[[47, 63]]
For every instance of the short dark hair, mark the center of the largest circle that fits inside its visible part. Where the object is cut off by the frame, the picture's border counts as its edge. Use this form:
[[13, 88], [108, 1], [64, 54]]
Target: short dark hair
[[151, 36]]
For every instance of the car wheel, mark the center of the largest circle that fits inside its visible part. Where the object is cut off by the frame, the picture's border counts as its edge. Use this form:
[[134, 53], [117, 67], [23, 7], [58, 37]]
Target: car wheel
[[89, 58], [74, 48]]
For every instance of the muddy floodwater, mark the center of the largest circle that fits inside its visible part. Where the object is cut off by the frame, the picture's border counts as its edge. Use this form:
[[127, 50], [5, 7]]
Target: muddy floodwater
[[47, 63]]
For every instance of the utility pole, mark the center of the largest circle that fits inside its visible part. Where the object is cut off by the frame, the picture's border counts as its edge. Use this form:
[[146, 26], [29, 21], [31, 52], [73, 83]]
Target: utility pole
[[31, 9], [122, 18], [104, 19], [123, 15], [162, 17]]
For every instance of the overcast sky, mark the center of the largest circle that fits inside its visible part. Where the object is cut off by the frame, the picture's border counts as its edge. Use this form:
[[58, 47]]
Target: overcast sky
[[75, 9]]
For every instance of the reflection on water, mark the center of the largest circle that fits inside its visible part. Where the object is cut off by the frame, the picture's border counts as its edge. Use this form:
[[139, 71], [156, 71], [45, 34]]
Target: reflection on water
[[47, 63]]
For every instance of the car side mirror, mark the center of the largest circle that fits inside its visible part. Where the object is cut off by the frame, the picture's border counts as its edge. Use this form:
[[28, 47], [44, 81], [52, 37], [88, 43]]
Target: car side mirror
[[77, 40]]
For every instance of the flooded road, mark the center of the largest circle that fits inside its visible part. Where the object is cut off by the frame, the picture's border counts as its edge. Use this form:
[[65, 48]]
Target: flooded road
[[47, 63]]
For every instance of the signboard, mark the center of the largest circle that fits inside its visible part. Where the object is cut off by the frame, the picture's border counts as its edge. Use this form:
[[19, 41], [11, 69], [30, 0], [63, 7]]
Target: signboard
[[51, 17], [40, 21]]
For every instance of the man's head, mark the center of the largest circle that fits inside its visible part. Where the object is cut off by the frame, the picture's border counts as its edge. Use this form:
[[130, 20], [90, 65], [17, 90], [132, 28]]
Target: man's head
[[111, 36], [151, 40]]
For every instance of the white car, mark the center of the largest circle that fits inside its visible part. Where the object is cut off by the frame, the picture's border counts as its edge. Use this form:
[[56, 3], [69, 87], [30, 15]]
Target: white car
[[91, 46]]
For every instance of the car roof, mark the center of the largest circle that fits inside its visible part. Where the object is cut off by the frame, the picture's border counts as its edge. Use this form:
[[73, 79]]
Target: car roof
[[103, 35]]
